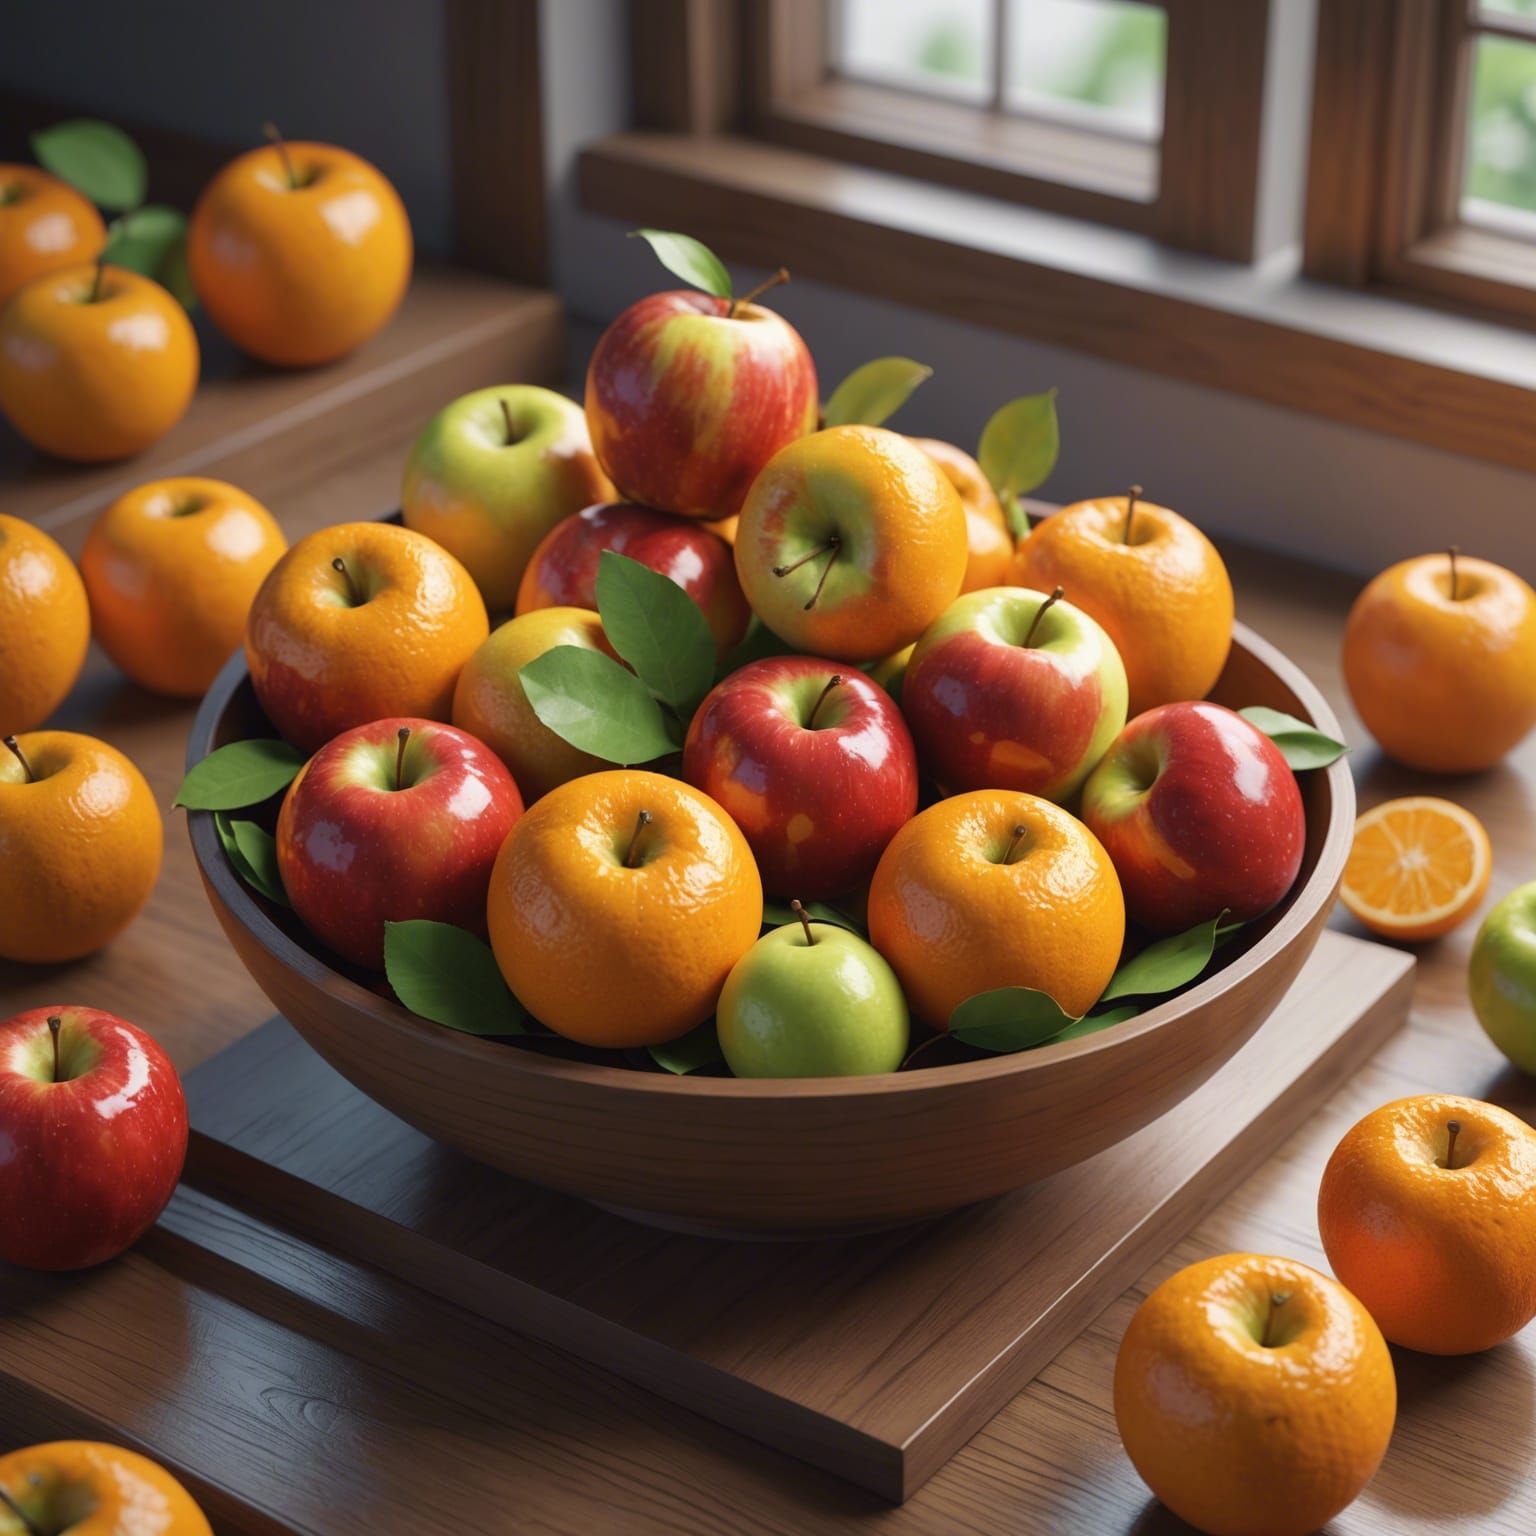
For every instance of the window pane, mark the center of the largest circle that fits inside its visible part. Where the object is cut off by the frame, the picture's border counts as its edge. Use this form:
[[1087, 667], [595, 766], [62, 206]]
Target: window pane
[[1501, 8], [1500, 174], [1101, 63], [943, 47]]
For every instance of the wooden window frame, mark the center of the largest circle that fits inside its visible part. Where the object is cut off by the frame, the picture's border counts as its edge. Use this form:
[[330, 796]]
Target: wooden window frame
[[759, 67]]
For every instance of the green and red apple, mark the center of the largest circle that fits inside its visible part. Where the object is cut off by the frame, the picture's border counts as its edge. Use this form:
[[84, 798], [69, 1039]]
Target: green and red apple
[[1501, 976]]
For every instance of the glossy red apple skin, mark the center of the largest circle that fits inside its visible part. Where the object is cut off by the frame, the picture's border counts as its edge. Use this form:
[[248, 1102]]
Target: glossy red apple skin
[[686, 403], [89, 1162], [816, 805], [563, 570], [355, 852], [1200, 814]]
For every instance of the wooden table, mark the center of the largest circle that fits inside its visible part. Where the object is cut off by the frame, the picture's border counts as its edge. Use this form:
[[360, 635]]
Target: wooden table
[[474, 1419]]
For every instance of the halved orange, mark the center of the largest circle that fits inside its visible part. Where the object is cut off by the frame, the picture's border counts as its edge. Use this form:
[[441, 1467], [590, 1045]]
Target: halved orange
[[1419, 867]]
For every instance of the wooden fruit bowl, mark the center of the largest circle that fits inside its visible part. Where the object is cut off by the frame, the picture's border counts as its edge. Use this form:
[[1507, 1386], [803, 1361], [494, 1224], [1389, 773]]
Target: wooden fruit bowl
[[788, 1157]]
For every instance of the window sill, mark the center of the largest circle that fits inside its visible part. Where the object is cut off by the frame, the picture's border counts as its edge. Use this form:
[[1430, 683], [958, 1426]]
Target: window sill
[[1461, 384]]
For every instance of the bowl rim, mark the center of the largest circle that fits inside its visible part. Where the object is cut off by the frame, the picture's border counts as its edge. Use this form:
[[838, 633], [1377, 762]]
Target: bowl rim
[[1316, 892]]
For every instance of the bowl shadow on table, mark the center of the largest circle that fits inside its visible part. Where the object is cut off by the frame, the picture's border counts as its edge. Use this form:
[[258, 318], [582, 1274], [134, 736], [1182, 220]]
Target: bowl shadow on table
[[1378, 778]]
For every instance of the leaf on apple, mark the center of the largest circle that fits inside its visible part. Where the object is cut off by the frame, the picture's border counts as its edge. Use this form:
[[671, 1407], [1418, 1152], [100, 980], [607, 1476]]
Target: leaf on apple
[[777, 916], [1168, 964], [589, 700], [1303, 746], [99, 161], [252, 854], [657, 628], [152, 241], [1009, 1019], [689, 259], [1091, 1024], [449, 976], [874, 392], [698, 1048], [1018, 450], [240, 774]]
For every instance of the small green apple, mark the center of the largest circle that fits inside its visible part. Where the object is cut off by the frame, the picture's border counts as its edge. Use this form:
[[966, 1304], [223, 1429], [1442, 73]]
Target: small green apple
[[1502, 976], [812, 1001]]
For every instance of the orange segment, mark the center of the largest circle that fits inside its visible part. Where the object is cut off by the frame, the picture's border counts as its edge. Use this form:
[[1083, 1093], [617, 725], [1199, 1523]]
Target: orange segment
[[1418, 868]]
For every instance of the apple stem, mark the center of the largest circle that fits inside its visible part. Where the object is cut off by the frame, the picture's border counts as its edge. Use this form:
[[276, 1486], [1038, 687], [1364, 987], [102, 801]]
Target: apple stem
[[21, 757], [19, 1513], [835, 681], [1454, 550], [1013, 842], [1277, 1300], [55, 1024], [101, 272], [826, 571], [402, 736], [810, 554], [781, 276], [276, 141], [1040, 613], [1130, 512], [805, 922], [340, 565], [642, 821], [506, 416], [1452, 1130]]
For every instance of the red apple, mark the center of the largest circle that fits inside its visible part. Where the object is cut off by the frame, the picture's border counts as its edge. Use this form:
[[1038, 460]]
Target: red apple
[[813, 762], [1200, 814], [393, 820], [93, 1133], [689, 395], [562, 572]]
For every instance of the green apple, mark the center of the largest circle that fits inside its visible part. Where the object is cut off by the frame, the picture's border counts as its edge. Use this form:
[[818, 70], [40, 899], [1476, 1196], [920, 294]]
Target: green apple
[[812, 1000], [493, 472], [1502, 976]]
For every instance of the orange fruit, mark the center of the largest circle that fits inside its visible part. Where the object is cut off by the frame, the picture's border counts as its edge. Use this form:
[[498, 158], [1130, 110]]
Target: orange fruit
[[1160, 591], [1254, 1396], [989, 544], [996, 888], [1418, 868], [45, 625], [619, 904], [80, 844], [300, 252], [44, 224], [171, 568], [94, 373], [851, 542], [360, 622], [1443, 673], [1427, 1211], [88, 1489]]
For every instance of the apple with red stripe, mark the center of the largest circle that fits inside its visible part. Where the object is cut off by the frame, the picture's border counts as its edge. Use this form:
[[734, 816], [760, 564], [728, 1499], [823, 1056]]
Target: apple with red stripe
[[1200, 815], [689, 394], [93, 1135], [1013, 689], [563, 570], [813, 762]]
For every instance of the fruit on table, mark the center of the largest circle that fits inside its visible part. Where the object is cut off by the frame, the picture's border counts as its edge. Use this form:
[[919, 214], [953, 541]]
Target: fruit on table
[[851, 543], [96, 363], [360, 622], [80, 844], [172, 568], [1418, 868], [989, 545], [1013, 689], [44, 224], [563, 570], [1502, 976], [1254, 1396], [493, 472], [490, 704], [1440, 660], [96, 1134], [1201, 815], [1427, 1211], [1151, 578], [813, 762], [689, 395], [82, 1488], [996, 888], [618, 906], [300, 252], [812, 1000], [45, 625]]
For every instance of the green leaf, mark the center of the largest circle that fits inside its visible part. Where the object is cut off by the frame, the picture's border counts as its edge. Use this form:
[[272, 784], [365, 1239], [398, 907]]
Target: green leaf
[[1303, 746], [1169, 963], [689, 259], [146, 239], [97, 160], [253, 855], [1018, 449], [657, 628], [1094, 1022], [1009, 1019], [778, 915], [589, 700], [698, 1048], [448, 975], [176, 276], [243, 773], [1016, 517], [874, 392]]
